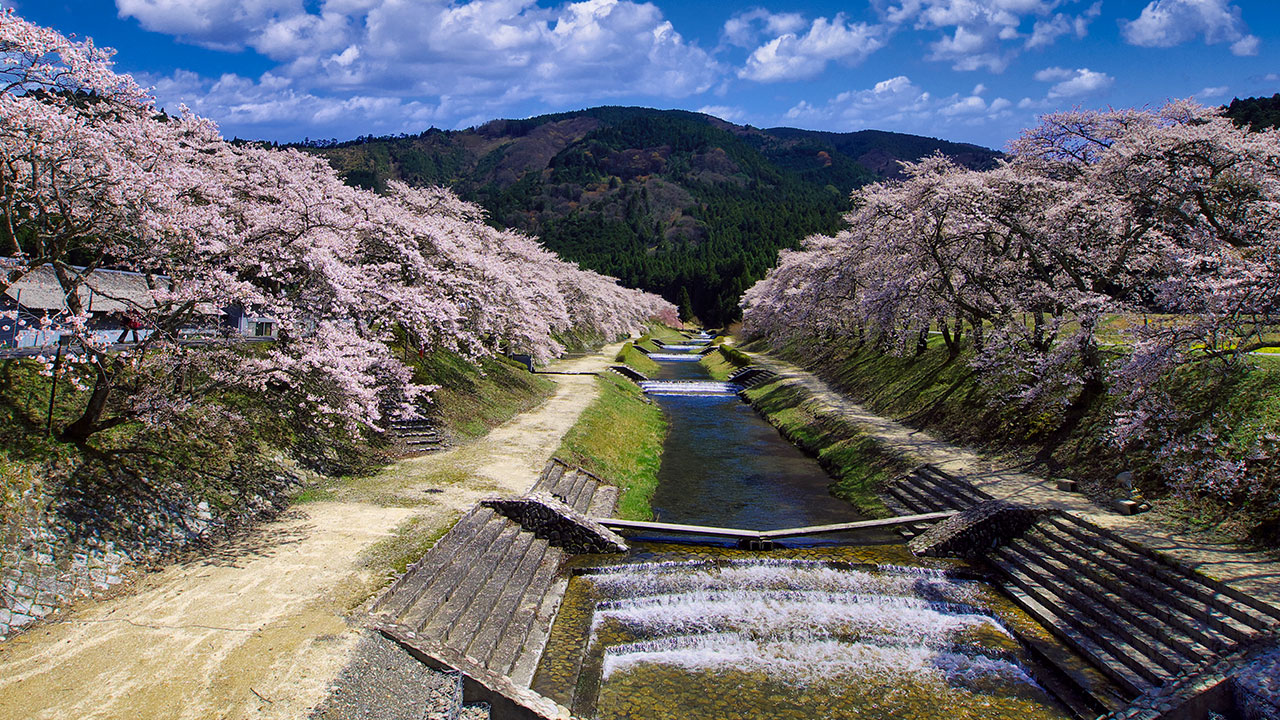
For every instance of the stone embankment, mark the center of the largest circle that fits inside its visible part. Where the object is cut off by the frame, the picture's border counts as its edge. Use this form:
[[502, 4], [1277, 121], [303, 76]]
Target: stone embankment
[[51, 558]]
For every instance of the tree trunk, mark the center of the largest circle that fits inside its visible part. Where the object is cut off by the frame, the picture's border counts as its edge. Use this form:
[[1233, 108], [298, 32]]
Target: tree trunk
[[88, 422], [922, 342], [976, 322]]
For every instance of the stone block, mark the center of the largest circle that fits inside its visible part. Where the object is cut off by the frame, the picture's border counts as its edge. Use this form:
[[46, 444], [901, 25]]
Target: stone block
[[562, 526], [1066, 485], [1256, 688], [1125, 506], [974, 532]]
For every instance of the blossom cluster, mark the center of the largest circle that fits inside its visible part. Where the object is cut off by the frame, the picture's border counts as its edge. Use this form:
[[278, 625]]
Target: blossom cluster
[[93, 176], [1110, 251]]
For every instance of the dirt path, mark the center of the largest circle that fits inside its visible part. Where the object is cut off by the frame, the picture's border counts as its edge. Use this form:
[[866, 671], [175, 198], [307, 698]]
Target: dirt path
[[259, 629], [1252, 572]]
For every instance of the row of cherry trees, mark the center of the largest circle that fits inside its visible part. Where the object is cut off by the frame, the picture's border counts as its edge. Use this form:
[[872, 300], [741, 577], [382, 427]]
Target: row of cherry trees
[[1163, 222], [92, 175]]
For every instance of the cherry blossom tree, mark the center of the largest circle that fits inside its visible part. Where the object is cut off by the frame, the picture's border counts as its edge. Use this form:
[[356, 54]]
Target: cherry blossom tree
[[92, 177], [1170, 218]]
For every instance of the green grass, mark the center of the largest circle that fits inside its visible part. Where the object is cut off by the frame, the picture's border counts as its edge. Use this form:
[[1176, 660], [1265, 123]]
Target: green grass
[[636, 360], [944, 394], [408, 542], [665, 334], [475, 398], [619, 437], [724, 361], [859, 465]]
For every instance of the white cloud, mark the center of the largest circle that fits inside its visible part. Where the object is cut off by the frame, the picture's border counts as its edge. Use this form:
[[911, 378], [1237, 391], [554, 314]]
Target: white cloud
[[744, 29], [899, 104], [1054, 74], [1046, 32], [1214, 92], [1165, 23], [1074, 83], [978, 34], [484, 56], [724, 112], [218, 24], [792, 57]]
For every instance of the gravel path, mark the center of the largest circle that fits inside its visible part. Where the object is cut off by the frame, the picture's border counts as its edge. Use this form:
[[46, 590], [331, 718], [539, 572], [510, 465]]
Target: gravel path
[[383, 682]]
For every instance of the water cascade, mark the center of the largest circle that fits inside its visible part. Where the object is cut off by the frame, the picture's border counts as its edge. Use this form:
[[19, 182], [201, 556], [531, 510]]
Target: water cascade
[[767, 637], [702, 388], [675, 357]]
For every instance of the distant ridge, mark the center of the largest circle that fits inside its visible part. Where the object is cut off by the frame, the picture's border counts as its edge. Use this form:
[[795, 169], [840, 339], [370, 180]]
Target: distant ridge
[[677, 202]]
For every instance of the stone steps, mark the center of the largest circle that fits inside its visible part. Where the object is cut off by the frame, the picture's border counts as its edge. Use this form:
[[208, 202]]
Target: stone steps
[[419, 435], [1140, 619], [483, 599], [751, 376], [927, 489], [576, 488]]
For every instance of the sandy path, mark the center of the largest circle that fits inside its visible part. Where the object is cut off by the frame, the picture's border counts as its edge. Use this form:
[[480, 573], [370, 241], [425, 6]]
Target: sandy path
[[260, 628]]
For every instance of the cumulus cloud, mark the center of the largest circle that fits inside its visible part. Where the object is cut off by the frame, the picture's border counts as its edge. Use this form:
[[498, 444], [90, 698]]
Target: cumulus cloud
[[745, 29], [899, 104], [1047, 31], [987, 34], [1214, 92], [792, 56], [1074, 83], [1165, 23], [217, 24], [483, 56]]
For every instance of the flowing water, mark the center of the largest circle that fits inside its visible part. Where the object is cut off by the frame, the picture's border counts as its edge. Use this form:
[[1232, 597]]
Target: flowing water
[[723, 465], [824, 632], [838, 631]]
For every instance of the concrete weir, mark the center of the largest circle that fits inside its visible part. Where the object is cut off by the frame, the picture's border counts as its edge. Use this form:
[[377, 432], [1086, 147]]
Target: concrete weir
[[482, 601]]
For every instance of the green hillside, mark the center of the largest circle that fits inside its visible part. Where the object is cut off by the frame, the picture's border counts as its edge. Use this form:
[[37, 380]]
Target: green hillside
[[675, 202], [1259, 113]]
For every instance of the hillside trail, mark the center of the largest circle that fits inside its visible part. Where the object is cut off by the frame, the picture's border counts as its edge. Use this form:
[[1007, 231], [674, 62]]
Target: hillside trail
[[261, 626]]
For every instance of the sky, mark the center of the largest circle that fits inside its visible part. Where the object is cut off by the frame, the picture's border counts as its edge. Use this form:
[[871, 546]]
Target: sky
[[967, 70]]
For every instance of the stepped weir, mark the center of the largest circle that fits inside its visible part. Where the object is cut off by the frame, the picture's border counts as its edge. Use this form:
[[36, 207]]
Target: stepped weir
[[765, 598]]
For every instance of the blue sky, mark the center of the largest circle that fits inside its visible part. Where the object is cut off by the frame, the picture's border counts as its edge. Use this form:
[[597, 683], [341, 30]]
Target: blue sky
[[970, 70]]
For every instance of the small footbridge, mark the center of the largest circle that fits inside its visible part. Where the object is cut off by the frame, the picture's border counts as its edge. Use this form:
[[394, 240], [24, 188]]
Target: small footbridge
[[767, 539]]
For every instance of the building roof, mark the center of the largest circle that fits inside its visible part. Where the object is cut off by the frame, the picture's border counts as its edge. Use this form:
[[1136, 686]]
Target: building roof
[[39, 289], [102, 291]]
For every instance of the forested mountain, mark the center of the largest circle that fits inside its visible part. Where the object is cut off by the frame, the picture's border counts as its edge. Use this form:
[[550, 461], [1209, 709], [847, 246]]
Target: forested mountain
[[1260, 113], [680, 203]]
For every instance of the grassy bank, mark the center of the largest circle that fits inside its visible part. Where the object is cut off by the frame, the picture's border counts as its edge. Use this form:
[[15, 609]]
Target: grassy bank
[[945, 395], [724, 361], [859, 465], [473, 399], [630, 356], [619, 437]]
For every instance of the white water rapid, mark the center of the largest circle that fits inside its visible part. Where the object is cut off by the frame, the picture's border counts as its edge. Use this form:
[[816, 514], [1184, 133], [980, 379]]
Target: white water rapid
[[798, 621]]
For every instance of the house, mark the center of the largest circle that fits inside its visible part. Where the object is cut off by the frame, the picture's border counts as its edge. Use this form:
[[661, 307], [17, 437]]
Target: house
[[116, 301]]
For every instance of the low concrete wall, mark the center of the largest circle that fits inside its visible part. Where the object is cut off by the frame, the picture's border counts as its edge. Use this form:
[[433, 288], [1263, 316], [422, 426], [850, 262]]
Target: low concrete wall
[[974, 532], [562, 526]]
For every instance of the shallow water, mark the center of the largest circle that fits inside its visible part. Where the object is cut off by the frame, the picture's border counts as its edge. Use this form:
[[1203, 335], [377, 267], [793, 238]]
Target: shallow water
[[809, 633], [725, 466]]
